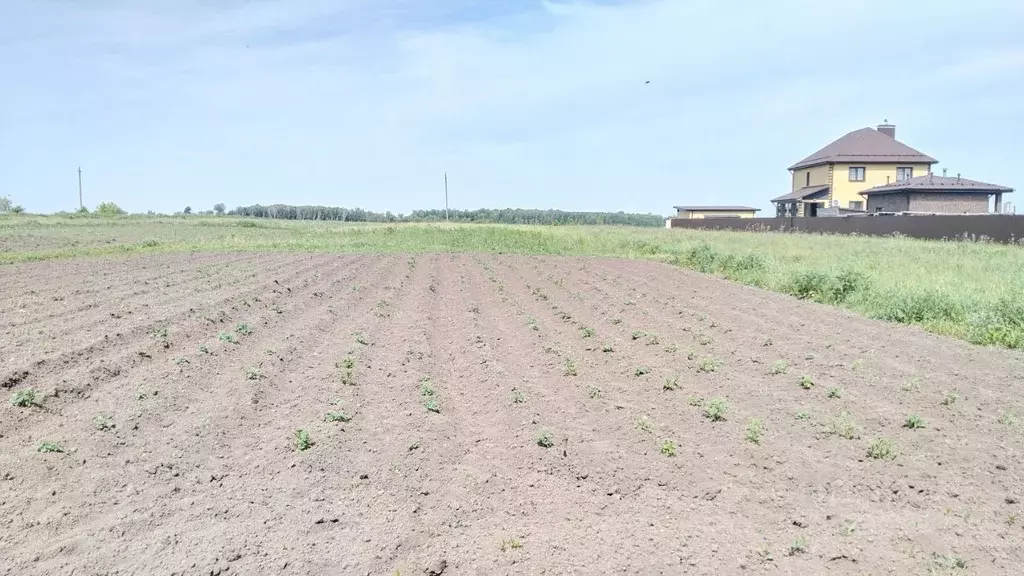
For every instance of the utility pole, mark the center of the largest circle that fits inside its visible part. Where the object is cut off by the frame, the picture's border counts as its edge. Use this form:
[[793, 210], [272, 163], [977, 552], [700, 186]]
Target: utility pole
[[80, 205], [445, 196]]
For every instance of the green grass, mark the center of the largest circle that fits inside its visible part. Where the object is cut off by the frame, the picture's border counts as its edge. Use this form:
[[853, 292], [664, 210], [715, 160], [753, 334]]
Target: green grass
[[24, 398], [302, 440], [969, 290]]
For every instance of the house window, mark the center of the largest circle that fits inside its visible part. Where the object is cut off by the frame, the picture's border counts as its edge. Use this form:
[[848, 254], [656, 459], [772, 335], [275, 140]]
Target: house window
[[905, 173], [856, 204], [857, 173], [808, 178]]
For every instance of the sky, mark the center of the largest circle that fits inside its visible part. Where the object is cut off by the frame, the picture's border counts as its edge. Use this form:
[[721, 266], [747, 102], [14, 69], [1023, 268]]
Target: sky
[[530, 104]]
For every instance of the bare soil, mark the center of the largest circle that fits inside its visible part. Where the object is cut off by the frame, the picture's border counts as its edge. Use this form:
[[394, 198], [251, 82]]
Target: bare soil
[[200, 472]]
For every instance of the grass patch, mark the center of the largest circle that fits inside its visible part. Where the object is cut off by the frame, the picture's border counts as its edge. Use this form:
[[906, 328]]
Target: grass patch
[[914, 422], [779, 367], [671, 383], [709, 365], [881, 449], [844, 427], [668, 448], [754, 432], [570, 367], [227, 337], [588, 332], [641, 371], [335, 416]]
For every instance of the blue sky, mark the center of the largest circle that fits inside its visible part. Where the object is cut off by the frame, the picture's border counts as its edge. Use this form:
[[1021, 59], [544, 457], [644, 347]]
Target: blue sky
[[168, 103]]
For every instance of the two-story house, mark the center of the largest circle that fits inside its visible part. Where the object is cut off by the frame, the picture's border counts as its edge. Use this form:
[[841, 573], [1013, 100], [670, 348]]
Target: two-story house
[[836, 175]]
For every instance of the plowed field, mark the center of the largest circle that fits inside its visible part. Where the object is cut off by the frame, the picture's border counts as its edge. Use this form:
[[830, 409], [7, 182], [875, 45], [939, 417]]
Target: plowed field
[[173, 387]]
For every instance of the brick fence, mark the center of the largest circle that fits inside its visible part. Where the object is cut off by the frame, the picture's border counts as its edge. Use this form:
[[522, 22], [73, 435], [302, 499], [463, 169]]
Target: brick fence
[[1003, 228]]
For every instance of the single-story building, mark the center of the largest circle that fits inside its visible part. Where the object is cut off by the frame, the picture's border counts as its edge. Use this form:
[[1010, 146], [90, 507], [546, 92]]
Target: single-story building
[[935, 195], [716, 211]]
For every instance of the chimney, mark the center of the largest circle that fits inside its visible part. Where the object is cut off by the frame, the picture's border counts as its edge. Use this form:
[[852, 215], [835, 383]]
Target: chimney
[[887, 129], [943, 172]]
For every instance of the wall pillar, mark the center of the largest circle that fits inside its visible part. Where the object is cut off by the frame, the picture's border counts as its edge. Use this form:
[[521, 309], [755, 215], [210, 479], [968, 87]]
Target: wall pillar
[[999, 202]]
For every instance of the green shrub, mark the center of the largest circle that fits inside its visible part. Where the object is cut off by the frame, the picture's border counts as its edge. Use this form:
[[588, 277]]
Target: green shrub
[[109, 209]]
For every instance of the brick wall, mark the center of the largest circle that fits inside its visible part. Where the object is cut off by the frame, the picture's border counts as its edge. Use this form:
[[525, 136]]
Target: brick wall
[[889, 203], [959, 203]]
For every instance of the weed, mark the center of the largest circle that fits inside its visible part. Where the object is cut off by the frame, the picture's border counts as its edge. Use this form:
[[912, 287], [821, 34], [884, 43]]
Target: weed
[[426, 388], [565, 316], [637, 334], [691, 355], [716, 409], [914, 422], [765, 555], [382, 309], [570, 367], [607, 348], [844, 427], [595, 392], [695, 401], [949, 562], [227, 337], [414, 446], [708, 365], [641, 370], [949, 398], [532, 323], [24, 398], [432, 405], [779, 367], [857, 365], [243, 329], [518, 397], [880, 449], [181, 361], [704, 339], [348, 363], [671, 348], [644, 424], [754, 431], [160, 333], [511, 544], [848, 528], [1009, 418], [806, 383], [668, 448], [802, 415], [203, 348], [253, 374], [835, 393], [913, 385], [302, 440], [616, 321], [474, 310], [588, 332], [767, 342], [103, 423], [799, 546], [671, 383], [545, 439], [539, 293], [652, 340], [50, 447], [337, 417], [360, 339]]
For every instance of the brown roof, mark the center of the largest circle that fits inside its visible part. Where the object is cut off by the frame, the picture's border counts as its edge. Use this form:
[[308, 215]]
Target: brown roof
[[801, 193], [866, 145], [718, 208], [933, 183]]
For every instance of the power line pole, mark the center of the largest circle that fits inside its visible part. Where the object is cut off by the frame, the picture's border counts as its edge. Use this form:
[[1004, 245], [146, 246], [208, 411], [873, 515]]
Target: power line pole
[[445, 196], [80, 205]]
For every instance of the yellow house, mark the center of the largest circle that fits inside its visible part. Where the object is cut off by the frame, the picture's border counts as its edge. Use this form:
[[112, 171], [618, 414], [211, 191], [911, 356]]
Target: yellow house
[[716, 211], [834, 176]]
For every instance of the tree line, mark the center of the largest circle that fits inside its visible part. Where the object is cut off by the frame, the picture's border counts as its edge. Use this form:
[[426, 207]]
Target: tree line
[[483, 215]]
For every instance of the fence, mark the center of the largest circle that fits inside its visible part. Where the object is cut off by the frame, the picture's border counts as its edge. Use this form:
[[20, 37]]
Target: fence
[[1003, 228]]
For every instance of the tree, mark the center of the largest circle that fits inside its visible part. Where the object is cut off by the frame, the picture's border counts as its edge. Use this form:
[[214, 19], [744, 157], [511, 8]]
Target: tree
[[109, 209], [187, 210], [219, 209], [17, 209], [5, 205]]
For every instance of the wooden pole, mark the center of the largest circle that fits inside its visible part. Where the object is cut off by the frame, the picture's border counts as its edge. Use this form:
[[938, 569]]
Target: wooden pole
[[80, 205], [445, 196]]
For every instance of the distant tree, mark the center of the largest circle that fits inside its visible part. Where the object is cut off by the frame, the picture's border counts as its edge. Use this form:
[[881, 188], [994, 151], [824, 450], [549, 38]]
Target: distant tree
[[219, 208], [83, 210], [109, 209], [17, 209], [187, 210], [5, 205]]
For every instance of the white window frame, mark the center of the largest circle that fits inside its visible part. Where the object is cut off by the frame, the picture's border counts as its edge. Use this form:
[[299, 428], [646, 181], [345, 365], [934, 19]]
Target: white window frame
[[863, 173]]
